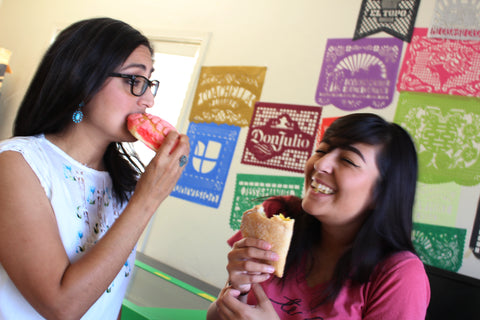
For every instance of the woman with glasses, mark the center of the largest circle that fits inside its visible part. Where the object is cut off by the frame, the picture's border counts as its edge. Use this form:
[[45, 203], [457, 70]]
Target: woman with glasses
[[351, 255], [73, 199]]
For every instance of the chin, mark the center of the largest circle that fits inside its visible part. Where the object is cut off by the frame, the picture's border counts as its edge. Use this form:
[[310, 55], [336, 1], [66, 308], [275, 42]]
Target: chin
[[313, 201], [126, 136], [130, 139], [307, 205]]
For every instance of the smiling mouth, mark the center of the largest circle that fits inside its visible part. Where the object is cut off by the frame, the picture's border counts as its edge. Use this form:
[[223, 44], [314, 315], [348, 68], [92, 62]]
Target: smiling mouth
[[320, 188]]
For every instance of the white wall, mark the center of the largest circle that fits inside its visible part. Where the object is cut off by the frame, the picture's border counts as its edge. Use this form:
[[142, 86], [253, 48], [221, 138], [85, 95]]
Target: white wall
[[288, 37]]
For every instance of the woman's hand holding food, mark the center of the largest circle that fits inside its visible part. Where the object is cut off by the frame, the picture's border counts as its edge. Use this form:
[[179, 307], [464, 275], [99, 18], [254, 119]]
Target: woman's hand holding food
[[230, 308], [246, 263], [163, 171]]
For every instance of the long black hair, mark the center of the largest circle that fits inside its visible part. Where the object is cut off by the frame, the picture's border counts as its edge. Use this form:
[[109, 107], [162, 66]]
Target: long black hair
[[388, 226], [72, 71]]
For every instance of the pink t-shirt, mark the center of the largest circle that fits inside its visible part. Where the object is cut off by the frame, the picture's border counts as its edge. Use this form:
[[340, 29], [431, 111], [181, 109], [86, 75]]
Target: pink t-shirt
[[399, 289]]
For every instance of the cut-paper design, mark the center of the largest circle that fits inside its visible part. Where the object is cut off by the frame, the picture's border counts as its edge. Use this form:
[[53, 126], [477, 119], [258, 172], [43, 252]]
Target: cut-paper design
[[447, 135], [281, 136], [437, 203], [326, 122], [456, 20], [475, 237], [211, 152], [358, 74], [251, 190], [395, 17], [227, 94], [440, 66], [439, 246]]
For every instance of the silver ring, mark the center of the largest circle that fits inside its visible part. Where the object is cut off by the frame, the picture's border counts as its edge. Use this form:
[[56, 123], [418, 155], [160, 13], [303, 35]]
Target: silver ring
[[183, 160]]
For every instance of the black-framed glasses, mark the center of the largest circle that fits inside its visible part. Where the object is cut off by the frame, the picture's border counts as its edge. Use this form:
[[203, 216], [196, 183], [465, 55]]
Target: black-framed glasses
[[138, 84]]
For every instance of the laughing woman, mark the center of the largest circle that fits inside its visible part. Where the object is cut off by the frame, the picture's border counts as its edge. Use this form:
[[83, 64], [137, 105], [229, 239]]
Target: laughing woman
[[351, 255]]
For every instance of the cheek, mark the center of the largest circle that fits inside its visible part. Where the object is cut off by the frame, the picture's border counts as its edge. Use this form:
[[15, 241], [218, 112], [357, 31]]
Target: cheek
[[372, 197], [309, 165], [365, 194], [308, 171]]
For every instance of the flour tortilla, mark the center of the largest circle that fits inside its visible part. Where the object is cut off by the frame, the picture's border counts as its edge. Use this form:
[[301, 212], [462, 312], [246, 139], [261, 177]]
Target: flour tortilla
[[274, 230]]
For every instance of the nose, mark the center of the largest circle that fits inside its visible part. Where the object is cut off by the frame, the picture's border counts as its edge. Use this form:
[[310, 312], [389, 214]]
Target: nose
[[324, 164], [147, 99]]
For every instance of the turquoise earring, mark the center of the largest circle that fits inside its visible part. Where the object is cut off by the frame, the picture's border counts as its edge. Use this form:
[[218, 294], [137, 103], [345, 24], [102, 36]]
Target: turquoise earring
[[77, 116]]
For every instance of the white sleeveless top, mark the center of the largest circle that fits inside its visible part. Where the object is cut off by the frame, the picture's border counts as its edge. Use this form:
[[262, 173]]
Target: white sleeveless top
[[85, 209]]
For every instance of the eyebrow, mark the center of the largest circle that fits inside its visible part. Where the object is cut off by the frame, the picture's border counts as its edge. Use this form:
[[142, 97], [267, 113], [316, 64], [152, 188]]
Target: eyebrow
[[353, 149], [137, 65], [346, 147]]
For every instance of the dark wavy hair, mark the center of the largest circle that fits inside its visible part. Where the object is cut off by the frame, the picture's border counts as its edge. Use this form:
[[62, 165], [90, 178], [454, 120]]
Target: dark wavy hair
[[73, 70], [388, 226]]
